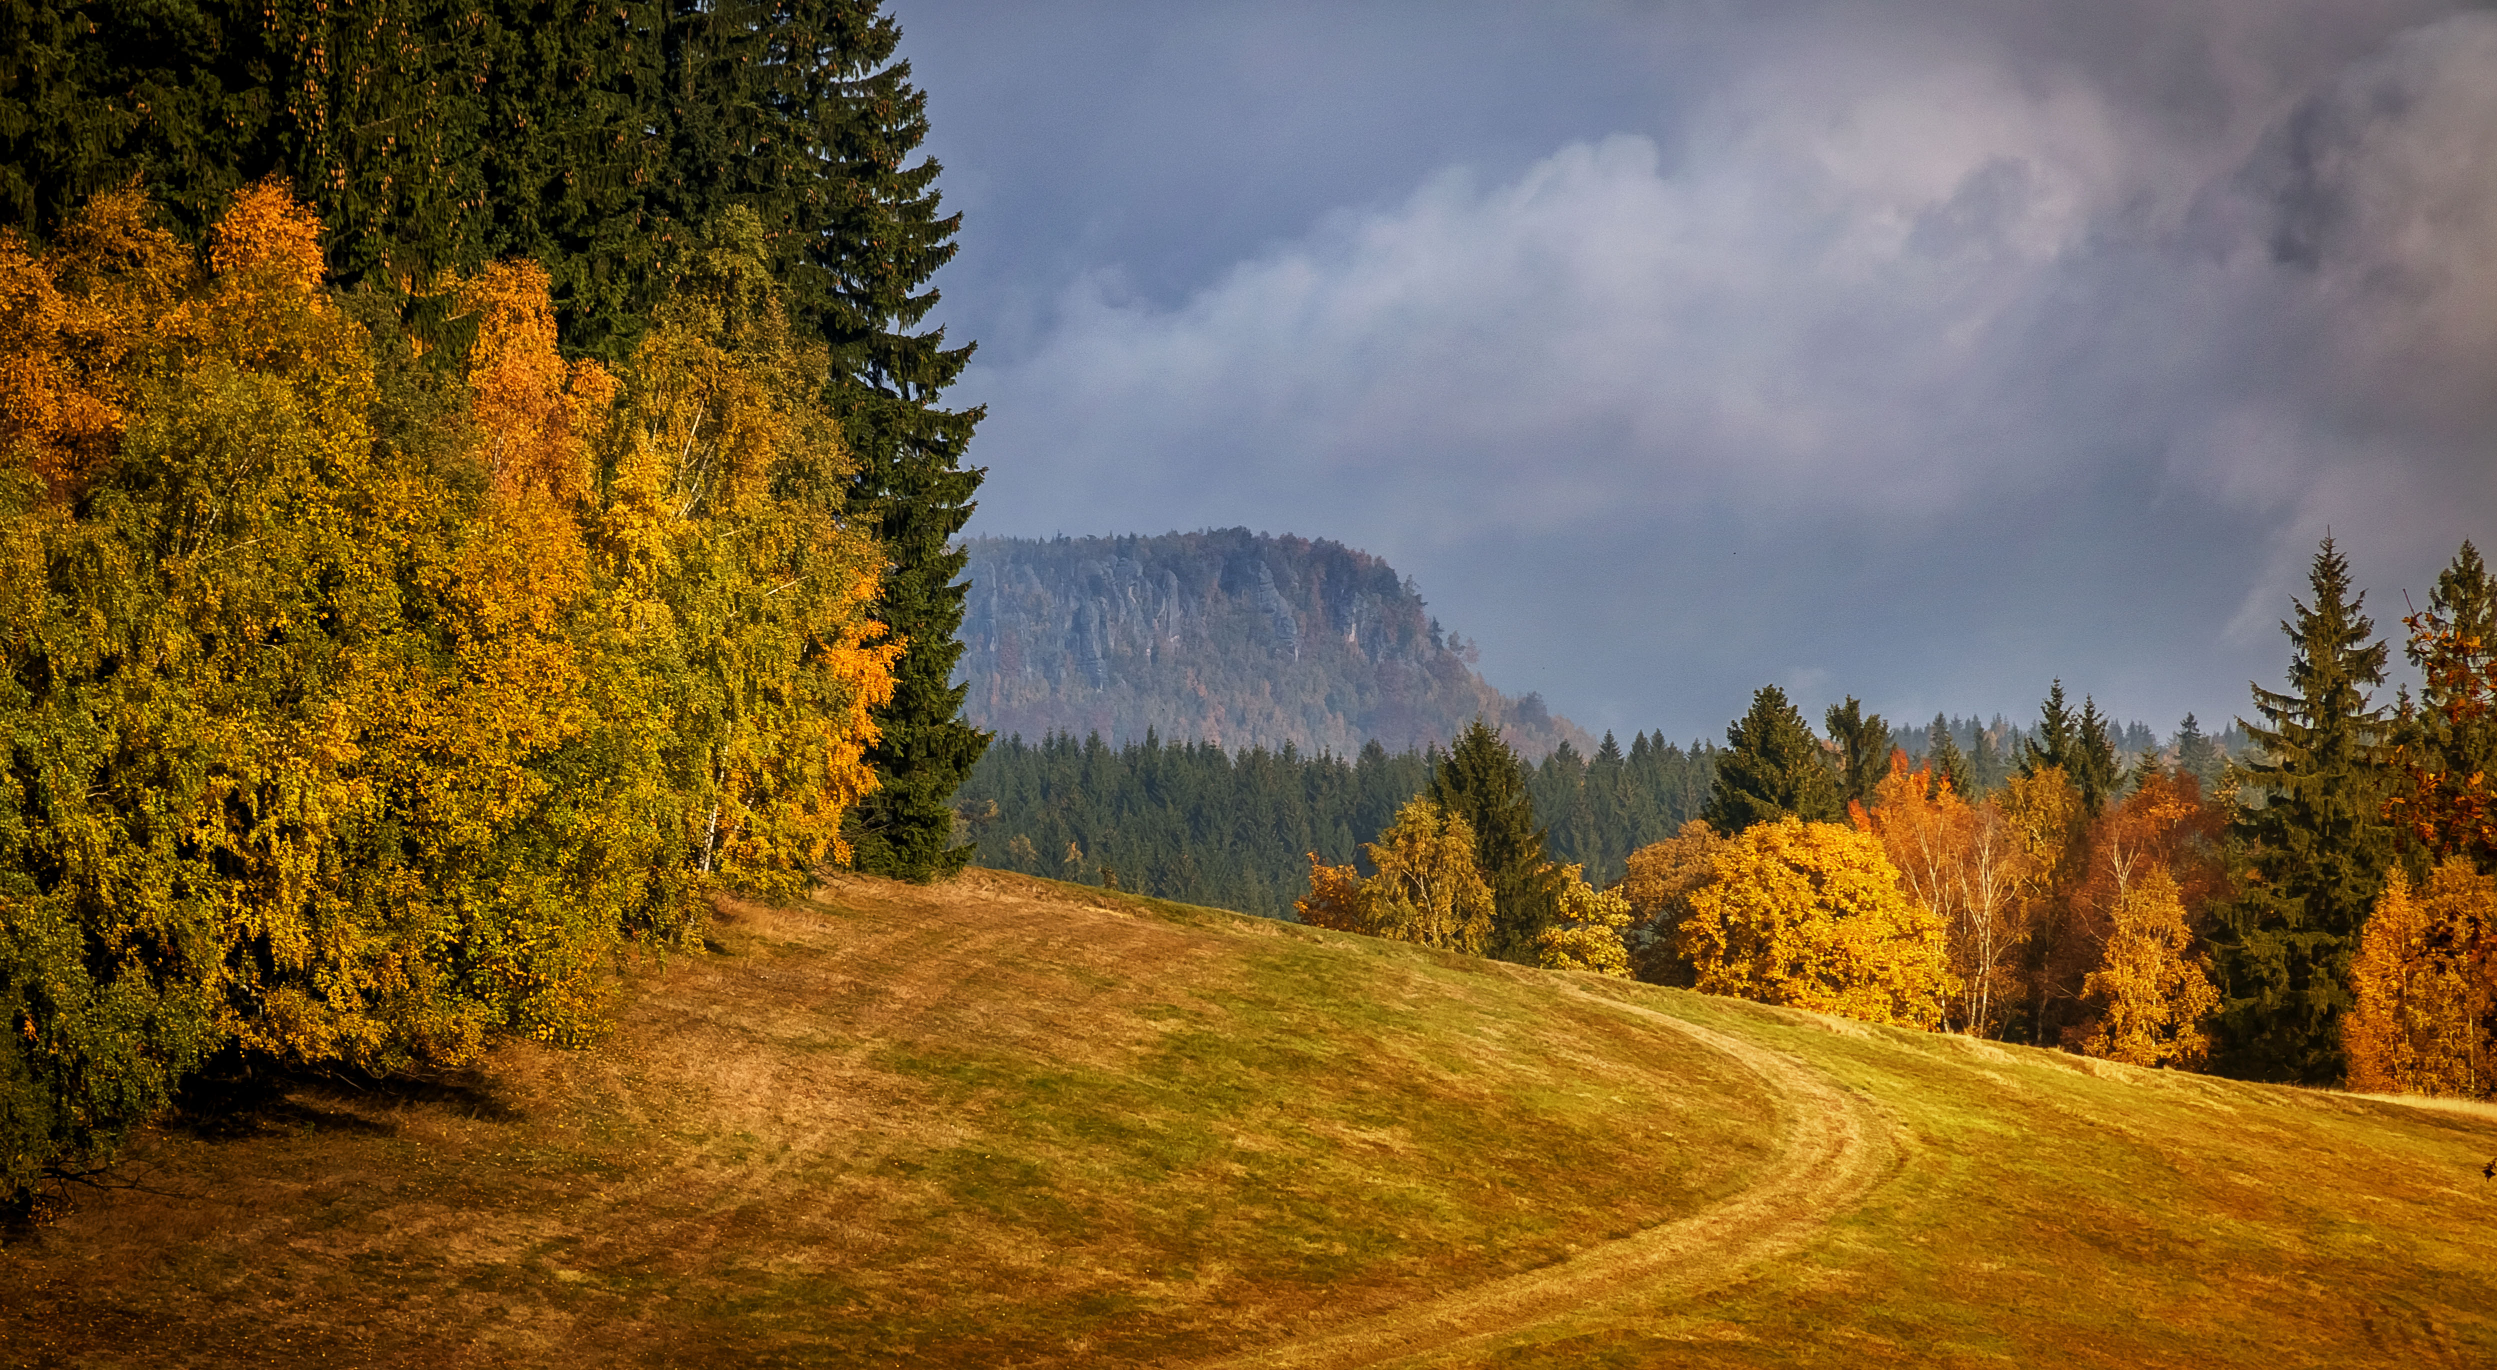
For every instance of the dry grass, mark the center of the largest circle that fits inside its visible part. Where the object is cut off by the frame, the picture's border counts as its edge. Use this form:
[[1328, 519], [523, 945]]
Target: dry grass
[[1004, 1121]]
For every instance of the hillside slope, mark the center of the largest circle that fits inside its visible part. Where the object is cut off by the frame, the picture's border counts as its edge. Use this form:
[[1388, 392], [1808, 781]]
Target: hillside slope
[[1226, 636], [1004, 1121]]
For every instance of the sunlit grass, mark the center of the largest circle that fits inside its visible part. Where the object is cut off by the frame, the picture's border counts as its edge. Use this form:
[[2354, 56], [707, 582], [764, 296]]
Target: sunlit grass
[[1009, 1122]]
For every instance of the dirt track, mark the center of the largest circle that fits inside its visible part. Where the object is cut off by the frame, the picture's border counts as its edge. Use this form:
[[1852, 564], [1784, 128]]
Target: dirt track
[[1836, 1148]]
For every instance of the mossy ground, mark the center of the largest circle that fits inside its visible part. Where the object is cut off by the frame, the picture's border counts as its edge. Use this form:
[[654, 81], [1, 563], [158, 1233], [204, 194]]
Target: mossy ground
[[1002, 1121]]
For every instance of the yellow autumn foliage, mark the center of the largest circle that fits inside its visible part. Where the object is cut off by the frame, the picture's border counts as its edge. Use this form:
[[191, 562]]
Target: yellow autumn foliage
[[1811, 915], [373, 699], [1427, 889], [2425, 1004], [1587, 934], [2151, 998]]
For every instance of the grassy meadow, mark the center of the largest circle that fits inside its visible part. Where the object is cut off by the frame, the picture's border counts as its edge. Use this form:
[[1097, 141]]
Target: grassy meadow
[[1005, 1122]]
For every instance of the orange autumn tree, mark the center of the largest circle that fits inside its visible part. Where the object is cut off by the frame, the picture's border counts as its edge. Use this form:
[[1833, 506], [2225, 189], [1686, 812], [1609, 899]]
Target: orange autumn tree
[[1812, 915], [366, 705], [1658, 884], [1960, 861], [2150, 861], [2424, 1016]]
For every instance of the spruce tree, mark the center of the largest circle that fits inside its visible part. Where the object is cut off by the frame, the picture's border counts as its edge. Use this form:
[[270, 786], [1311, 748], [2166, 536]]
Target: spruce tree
[[1483, 781], [1945, 760], [2094, 769], [2199, 756], [1773, 768], [2057, 743], [1863, 750], [2316, 845], [2454, 738], [885, 238], [1988, 767]]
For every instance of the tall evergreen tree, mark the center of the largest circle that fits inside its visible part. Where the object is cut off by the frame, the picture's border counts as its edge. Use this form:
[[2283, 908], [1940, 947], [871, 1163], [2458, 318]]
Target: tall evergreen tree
[[2199, 756], [2093, 764], [2316, 845], [1610, 821], [2453, 738], [2057, 743], [1945, 760], [886, 239], [1772, 768], [1863, 750], [1483, 781], [1989, 762]]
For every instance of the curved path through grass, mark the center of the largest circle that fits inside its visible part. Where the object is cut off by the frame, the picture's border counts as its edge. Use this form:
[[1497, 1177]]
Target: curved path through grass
[[1832, 1149], [1006, 1122]]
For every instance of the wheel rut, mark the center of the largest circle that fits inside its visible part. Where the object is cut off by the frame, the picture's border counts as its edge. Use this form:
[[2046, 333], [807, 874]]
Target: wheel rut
[[1836, 1147]]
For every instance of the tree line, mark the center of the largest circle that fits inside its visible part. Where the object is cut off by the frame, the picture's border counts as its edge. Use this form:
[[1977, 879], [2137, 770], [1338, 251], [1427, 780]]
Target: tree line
[[1194, 822], [471, 481], [2321, 910]]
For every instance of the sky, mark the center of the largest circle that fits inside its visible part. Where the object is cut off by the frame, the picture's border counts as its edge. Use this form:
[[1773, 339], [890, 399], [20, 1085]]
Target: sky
[[1924, 351]]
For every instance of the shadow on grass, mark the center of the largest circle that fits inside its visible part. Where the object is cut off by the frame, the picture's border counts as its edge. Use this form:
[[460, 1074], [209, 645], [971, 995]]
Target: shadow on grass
[[237, 1098]]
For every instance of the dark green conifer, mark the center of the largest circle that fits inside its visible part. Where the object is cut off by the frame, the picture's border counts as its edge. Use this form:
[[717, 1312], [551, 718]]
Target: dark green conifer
[[1945, 761], [1863, 750], [1988, 764], [2094, 769], [1483, 780], [2199, 756], [1773, 768], [884, 238], [2446, 735], [2057, 742], [2315, 843]]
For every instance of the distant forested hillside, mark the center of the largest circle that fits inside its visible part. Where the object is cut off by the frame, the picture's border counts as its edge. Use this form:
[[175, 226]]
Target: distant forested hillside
[[1197, 822], [1240, 639], [1189, 821]]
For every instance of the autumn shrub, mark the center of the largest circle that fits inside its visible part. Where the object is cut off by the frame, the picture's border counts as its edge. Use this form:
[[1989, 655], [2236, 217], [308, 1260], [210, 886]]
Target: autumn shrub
[[1811, 915], [362, 704], [1427, 889]]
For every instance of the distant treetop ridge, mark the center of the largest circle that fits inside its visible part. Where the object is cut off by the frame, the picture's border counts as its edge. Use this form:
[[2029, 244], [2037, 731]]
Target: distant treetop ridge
[[1227, 636]]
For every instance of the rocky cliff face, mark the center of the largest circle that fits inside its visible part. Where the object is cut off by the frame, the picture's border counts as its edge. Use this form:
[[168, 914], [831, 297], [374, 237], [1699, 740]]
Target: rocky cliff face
[[1226, 636]]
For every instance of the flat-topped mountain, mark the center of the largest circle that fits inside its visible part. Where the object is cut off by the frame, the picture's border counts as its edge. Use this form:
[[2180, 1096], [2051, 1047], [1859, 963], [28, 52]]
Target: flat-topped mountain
[[1227, 636]]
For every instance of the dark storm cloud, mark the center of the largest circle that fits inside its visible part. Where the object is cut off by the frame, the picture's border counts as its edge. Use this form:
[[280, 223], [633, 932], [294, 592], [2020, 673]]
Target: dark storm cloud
[[1918, 352]]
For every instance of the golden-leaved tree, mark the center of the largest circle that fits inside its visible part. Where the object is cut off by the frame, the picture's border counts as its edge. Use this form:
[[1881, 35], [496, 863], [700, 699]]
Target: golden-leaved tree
[[1587, 933], [2150, 997], [362, 700], [732, 583], [1658, 884], [2424, 1020], [1812, 915], [1427, 889], [2048, 825]]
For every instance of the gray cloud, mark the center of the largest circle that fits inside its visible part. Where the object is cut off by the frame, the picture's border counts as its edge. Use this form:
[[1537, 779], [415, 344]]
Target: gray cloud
[[1919, 353]]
